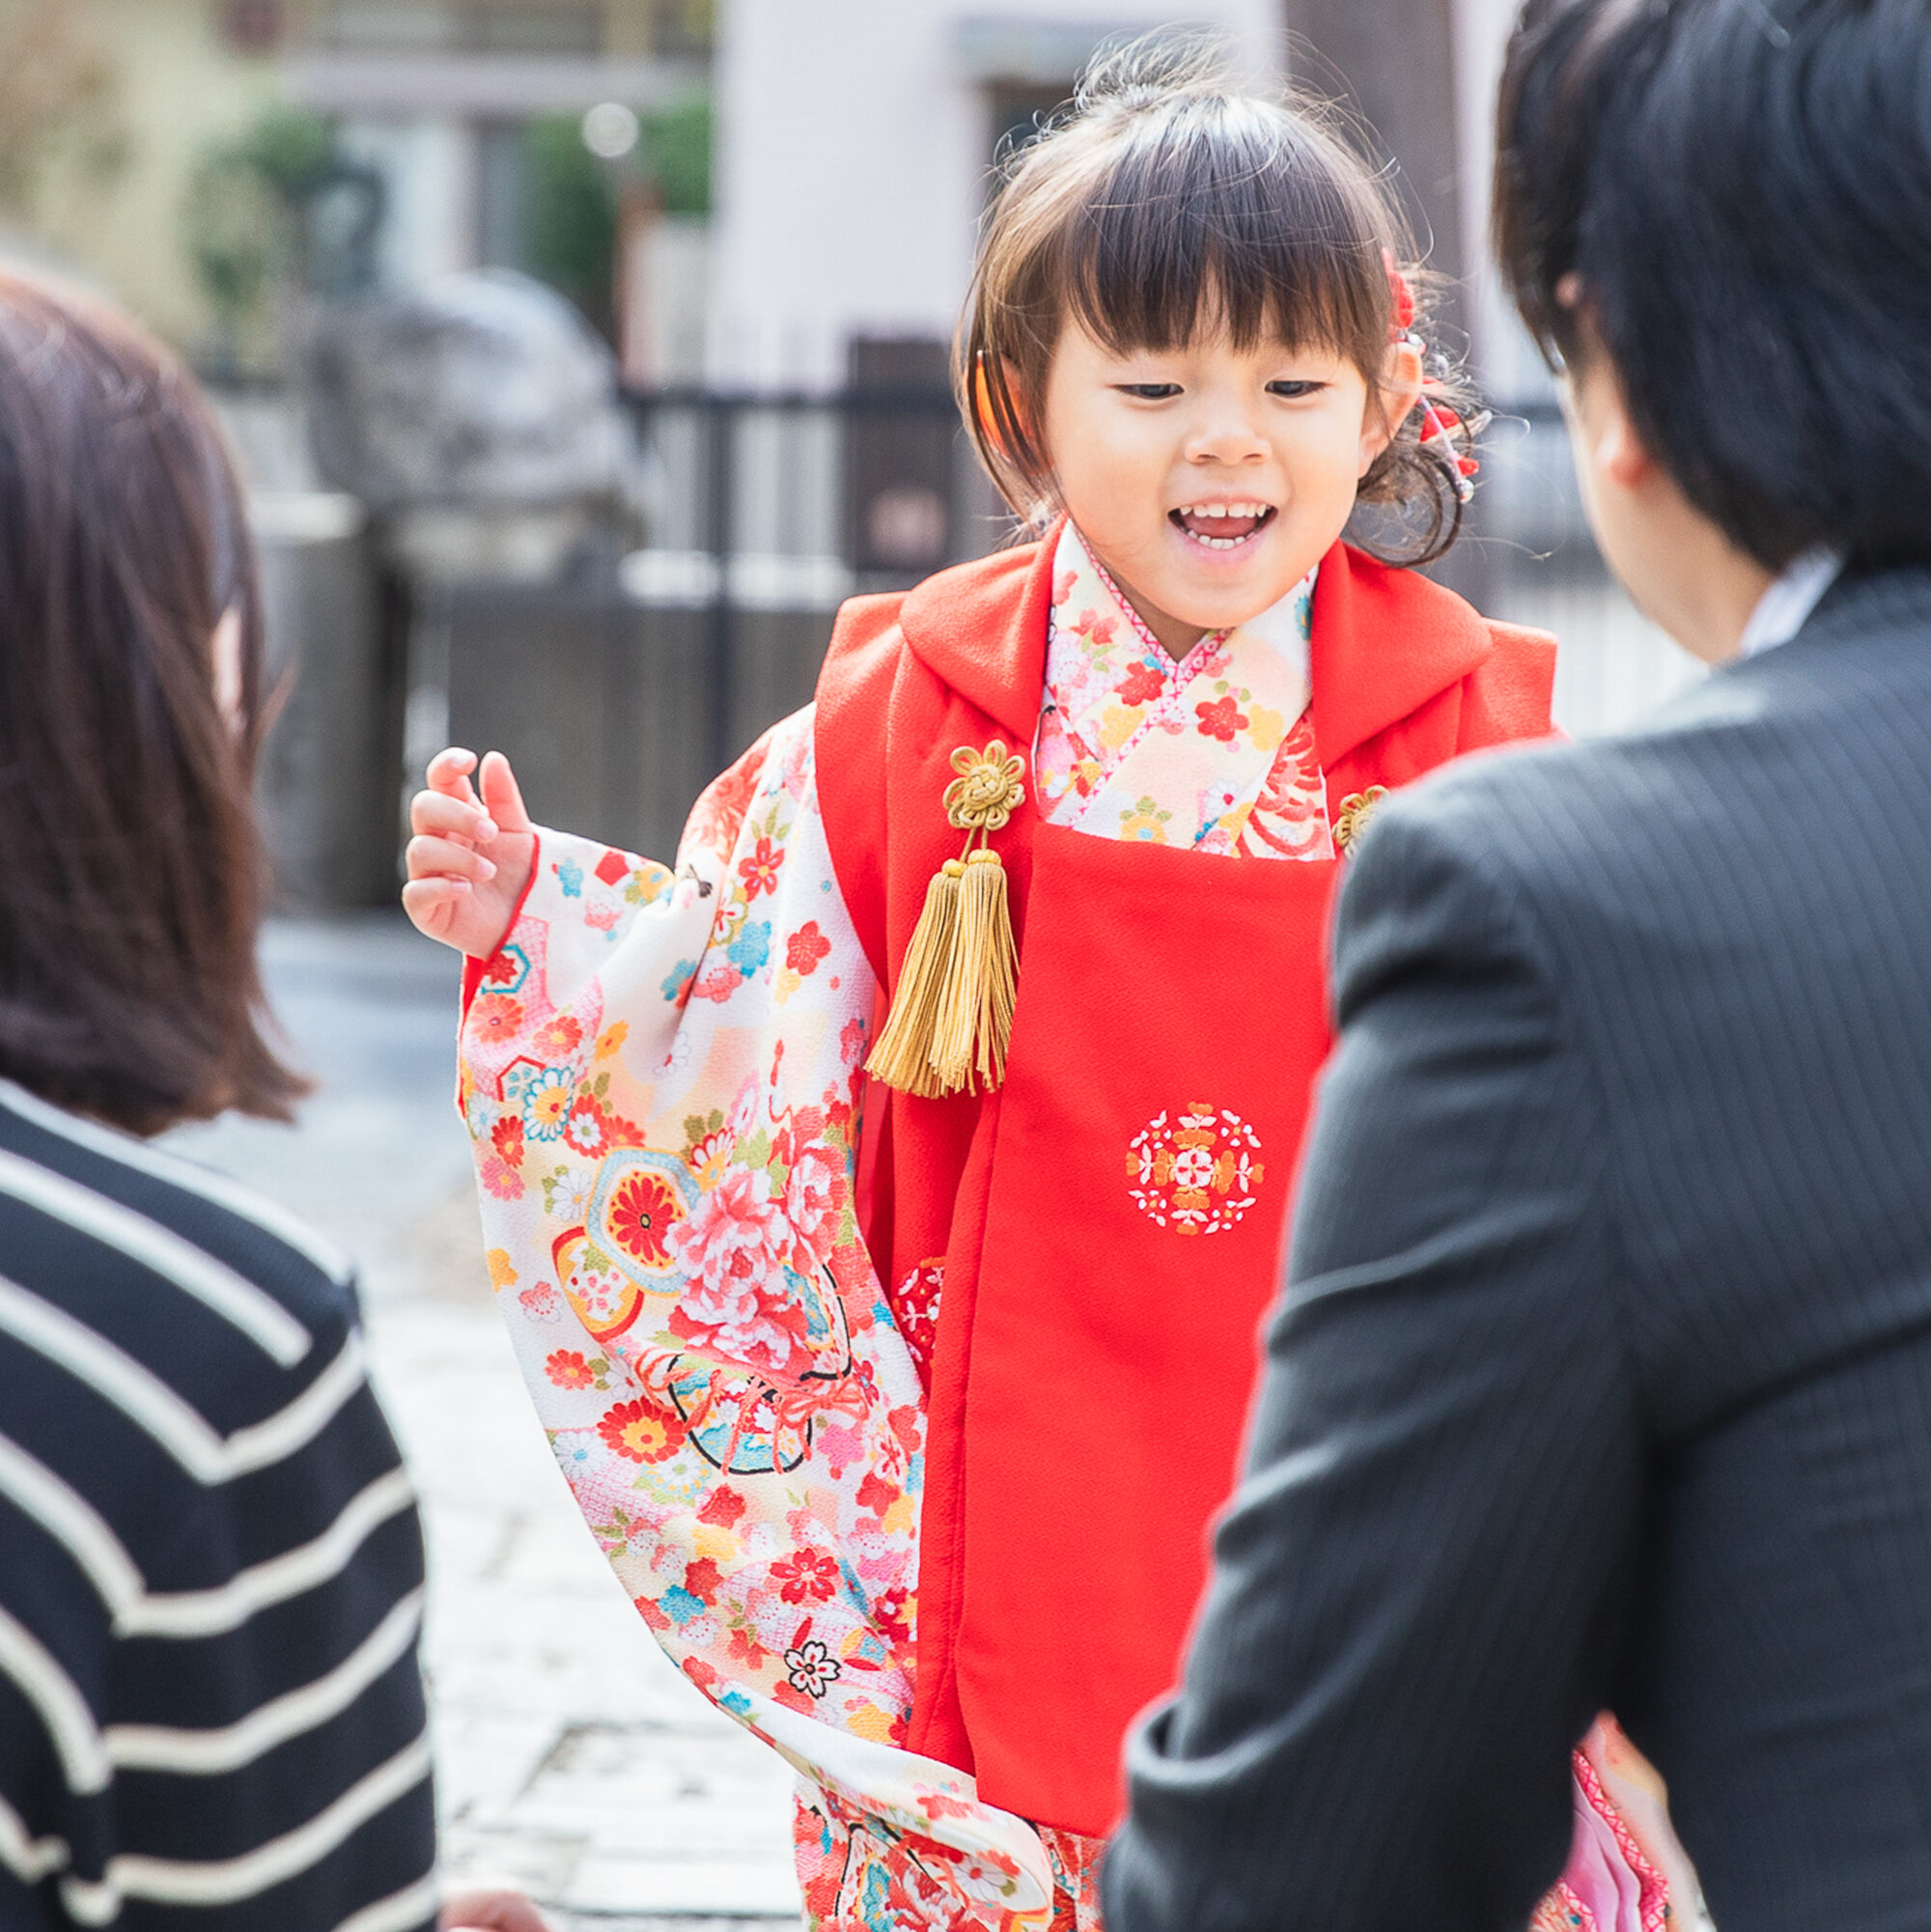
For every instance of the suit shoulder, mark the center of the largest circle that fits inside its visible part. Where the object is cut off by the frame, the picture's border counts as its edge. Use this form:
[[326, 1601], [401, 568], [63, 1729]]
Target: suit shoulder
[[1559, 823]]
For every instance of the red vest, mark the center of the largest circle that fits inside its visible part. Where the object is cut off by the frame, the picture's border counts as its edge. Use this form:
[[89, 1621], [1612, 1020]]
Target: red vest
[[1110, 1219]]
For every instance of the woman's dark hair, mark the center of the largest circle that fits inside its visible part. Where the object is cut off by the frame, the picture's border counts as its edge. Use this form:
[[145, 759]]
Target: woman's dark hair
[[1163, 201], [1742, 192], [130, 869]]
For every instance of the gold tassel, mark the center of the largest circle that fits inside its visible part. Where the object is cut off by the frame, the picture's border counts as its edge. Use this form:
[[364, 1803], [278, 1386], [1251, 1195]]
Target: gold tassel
[[976, 1022], [951, 1020], [904, 1057]]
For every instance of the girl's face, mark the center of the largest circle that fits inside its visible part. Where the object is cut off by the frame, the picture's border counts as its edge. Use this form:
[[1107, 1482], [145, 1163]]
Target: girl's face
[[1210, 480]]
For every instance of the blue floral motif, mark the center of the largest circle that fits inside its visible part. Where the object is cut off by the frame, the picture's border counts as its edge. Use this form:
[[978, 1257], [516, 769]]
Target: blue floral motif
[[645, 888], [736, 1703], [680, 1605], [751, 948], [570, 876], [679, 977], [546, 1103]]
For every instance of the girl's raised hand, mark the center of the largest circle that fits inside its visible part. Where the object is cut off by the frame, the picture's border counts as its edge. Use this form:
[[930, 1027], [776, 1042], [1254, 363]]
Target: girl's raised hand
[[470, 857]]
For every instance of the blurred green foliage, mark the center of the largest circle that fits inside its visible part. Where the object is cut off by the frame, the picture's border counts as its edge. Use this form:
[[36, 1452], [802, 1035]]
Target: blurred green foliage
[[237, 239], [247, 219], [571, 209], [293, 149], [675, 147], [571, 196]]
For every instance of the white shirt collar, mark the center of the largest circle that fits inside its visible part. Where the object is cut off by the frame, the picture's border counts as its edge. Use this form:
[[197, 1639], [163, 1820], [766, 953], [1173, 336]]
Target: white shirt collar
[[1785, 607]]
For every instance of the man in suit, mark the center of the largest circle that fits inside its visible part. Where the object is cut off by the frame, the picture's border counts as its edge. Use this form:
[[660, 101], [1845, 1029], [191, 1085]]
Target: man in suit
[[1601, 1376]]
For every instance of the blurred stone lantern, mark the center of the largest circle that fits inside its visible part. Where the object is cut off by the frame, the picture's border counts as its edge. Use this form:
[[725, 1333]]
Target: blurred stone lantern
[[477, 417]]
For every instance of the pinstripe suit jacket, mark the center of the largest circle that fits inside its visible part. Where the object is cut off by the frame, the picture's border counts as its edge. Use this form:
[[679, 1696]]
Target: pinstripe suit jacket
[[1603, 1373]]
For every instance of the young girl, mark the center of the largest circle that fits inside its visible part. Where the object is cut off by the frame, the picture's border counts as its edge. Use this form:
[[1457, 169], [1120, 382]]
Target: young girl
[[901, 1406]]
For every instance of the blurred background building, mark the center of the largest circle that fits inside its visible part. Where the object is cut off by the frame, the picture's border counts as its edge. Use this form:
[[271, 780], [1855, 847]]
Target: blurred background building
[[584, 353]]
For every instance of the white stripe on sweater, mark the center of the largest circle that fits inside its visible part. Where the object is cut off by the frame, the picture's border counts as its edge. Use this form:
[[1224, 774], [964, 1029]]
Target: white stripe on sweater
[[228, 1881], [66, 1516], [398, 1911], [187, 1175], [207, 1754], [69, 1724], [216, 1286], [29, 1859], [153, 1406]]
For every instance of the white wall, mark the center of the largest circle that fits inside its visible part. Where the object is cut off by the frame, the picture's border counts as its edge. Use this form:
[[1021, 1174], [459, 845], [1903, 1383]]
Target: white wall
[[1511, 371], [428, 165], [851, 160]]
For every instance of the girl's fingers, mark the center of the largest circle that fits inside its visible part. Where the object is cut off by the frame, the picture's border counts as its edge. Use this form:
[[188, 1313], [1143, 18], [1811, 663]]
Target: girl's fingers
[[449, 773], [446, 859], [436, 813], [501, 795], [433, 904]]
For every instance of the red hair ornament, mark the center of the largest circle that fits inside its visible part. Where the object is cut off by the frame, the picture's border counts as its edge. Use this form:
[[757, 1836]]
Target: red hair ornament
[[1437, 419]]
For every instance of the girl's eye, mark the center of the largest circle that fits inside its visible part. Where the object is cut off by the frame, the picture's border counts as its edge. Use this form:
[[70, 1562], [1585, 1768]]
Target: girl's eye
[[1149, 392], [1295, 391]]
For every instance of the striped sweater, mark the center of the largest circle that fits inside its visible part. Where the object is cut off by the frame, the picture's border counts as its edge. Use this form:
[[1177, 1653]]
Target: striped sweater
[[210, 1564]]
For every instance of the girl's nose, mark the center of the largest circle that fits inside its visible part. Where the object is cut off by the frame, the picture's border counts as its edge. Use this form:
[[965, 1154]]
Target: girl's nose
[[1227, 435]]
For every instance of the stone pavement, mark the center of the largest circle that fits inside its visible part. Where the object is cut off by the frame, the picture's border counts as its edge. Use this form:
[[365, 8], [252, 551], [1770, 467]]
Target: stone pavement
[[571, 1758]]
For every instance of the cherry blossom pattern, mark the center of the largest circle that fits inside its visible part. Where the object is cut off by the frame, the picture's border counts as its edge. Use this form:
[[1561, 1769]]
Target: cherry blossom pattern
[[812, 1668], [915, 1307], [1221, 719], [807, 948]]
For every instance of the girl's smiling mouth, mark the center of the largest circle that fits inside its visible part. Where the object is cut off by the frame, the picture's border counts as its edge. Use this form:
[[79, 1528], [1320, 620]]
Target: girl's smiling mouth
[[1221, 526]]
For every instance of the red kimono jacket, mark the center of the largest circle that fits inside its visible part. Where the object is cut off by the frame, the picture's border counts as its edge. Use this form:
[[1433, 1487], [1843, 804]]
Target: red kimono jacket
[[1109, 1223]]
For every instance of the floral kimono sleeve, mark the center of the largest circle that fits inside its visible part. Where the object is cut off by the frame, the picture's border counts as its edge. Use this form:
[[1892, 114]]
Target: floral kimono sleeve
[[660, 1072]]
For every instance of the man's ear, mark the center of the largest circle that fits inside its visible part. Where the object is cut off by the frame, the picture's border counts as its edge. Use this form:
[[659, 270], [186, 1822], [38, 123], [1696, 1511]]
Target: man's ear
[[1600, 422], [1599, 416], [1400, 392], [1621, 453]]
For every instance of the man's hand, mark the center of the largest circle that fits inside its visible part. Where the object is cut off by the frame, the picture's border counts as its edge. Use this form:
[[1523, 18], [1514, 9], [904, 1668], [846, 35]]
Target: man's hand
[[470, 857], [492, 1911]]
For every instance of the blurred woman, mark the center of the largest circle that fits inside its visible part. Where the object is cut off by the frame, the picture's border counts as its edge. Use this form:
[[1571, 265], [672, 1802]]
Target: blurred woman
[[210, 1565]]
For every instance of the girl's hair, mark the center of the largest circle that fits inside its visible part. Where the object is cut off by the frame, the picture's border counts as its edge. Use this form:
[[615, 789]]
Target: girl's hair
[[130, 868], [1163, 201]]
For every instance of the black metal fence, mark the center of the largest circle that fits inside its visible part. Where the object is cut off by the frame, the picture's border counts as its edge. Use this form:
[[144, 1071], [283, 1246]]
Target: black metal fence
[[621, 691], [698, 616]]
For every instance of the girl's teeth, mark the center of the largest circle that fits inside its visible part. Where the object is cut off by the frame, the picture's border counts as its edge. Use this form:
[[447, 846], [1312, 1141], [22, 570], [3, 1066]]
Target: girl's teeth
[[1193, 517]]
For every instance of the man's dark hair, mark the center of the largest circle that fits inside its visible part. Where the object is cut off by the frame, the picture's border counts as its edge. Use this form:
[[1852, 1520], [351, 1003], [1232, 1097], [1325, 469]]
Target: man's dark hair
[[1742, 189], [130, 868]]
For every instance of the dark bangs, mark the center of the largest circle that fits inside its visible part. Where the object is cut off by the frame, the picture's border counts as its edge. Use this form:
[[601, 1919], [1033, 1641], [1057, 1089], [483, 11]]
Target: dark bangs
[[1223, 215], [1164, 206]]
